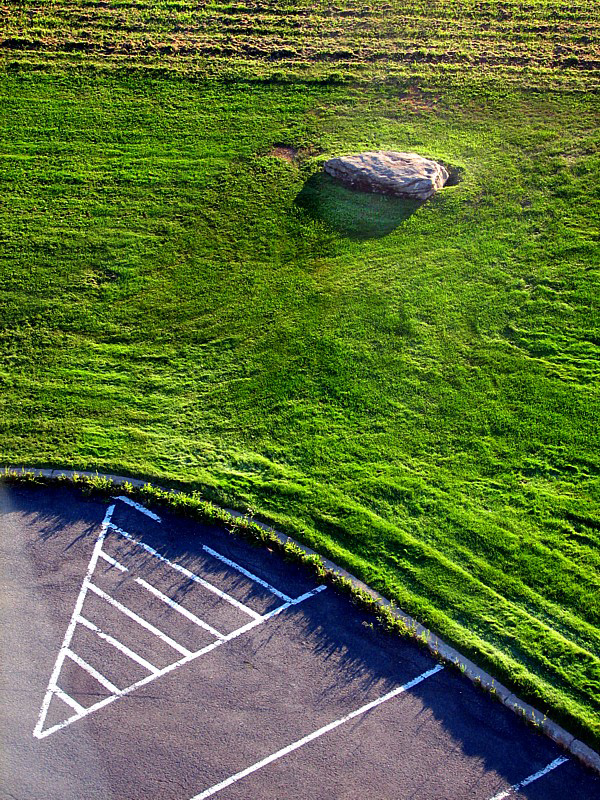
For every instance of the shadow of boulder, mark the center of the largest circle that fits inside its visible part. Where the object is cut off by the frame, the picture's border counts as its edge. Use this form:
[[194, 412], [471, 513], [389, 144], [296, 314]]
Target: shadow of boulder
[[356, 214], [455, 175]]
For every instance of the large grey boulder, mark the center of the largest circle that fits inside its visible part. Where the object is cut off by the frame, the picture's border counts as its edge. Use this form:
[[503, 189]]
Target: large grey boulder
[[388, 172]]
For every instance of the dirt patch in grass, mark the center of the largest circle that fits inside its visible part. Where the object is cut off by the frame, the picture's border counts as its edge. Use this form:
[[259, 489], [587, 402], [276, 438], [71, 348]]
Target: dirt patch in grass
[[418, 101], [285, 152]]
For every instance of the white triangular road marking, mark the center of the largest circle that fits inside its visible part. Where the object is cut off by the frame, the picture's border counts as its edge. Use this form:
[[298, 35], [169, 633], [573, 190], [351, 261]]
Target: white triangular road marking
[[75, 710]]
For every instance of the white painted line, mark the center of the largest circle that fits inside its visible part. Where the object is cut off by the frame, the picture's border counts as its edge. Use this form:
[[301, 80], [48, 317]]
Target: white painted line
[[300, 599], [188, 574], [536, 776], [69, 700], [180, 609], [315, 735], [245, 572], [113, 561], [119, 646], [72, 623], [93, 672], [138, 507], [171, 667], [140, 620]]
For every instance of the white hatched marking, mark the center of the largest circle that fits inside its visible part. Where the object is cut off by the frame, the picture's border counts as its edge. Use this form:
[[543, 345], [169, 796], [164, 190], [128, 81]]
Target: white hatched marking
[[315, 735], [244, 629], [536, 776], [113, 561], [245, 572], [93, 672], [66, 698], [180, 609], [77, 617], [119, 646], [140, 620], [138, 507], [223, 595]]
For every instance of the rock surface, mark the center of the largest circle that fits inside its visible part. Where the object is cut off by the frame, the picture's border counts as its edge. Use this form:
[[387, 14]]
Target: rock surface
[[388, 172]]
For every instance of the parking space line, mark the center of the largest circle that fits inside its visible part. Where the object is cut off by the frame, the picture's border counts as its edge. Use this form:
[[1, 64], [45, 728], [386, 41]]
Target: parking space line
[[138, 507], [180, 609], [536, 776], [113, 561], [245, 572], [93, 672], [223, 595], [68, 700], [140, 620], [297, 600], [315, 734], [119, 646]]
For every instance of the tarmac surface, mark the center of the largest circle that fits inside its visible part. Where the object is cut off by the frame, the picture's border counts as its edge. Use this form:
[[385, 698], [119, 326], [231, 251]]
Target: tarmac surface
[[159, 658]]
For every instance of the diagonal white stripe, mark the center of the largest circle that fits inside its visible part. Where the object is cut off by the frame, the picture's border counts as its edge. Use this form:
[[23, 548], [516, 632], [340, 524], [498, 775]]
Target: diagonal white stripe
[[138, 507], [526, 781], [66, 698], [93, 672], [119, 646], [113, 561], [180, 609], [245, 572], [187, 573], [315, 735], [140, 620]]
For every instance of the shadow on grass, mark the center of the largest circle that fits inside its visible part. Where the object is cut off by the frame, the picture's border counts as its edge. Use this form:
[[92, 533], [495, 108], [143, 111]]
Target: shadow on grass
[[353, 213]]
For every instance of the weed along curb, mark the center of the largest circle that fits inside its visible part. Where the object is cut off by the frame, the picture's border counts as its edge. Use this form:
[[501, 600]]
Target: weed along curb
[[389, 615]]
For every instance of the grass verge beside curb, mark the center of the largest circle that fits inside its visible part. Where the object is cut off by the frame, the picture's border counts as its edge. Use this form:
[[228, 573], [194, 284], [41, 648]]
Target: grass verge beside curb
[[389, 617]]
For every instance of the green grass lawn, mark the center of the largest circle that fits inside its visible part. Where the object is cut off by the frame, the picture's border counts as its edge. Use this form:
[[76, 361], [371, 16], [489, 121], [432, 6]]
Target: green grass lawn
[[413, 392]]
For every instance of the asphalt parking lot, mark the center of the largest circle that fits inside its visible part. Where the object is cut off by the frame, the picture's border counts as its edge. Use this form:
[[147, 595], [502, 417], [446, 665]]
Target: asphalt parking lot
[[157, 658]]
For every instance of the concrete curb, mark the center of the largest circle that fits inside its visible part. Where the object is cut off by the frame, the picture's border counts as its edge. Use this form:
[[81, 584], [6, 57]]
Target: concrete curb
[[437, 646]]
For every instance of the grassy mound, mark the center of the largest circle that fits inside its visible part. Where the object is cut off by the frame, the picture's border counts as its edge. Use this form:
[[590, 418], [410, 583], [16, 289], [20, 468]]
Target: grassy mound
[[418, 400]]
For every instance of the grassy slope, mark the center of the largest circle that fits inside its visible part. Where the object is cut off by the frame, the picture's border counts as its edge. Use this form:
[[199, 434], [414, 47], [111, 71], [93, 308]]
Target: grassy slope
[[421, 406]]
